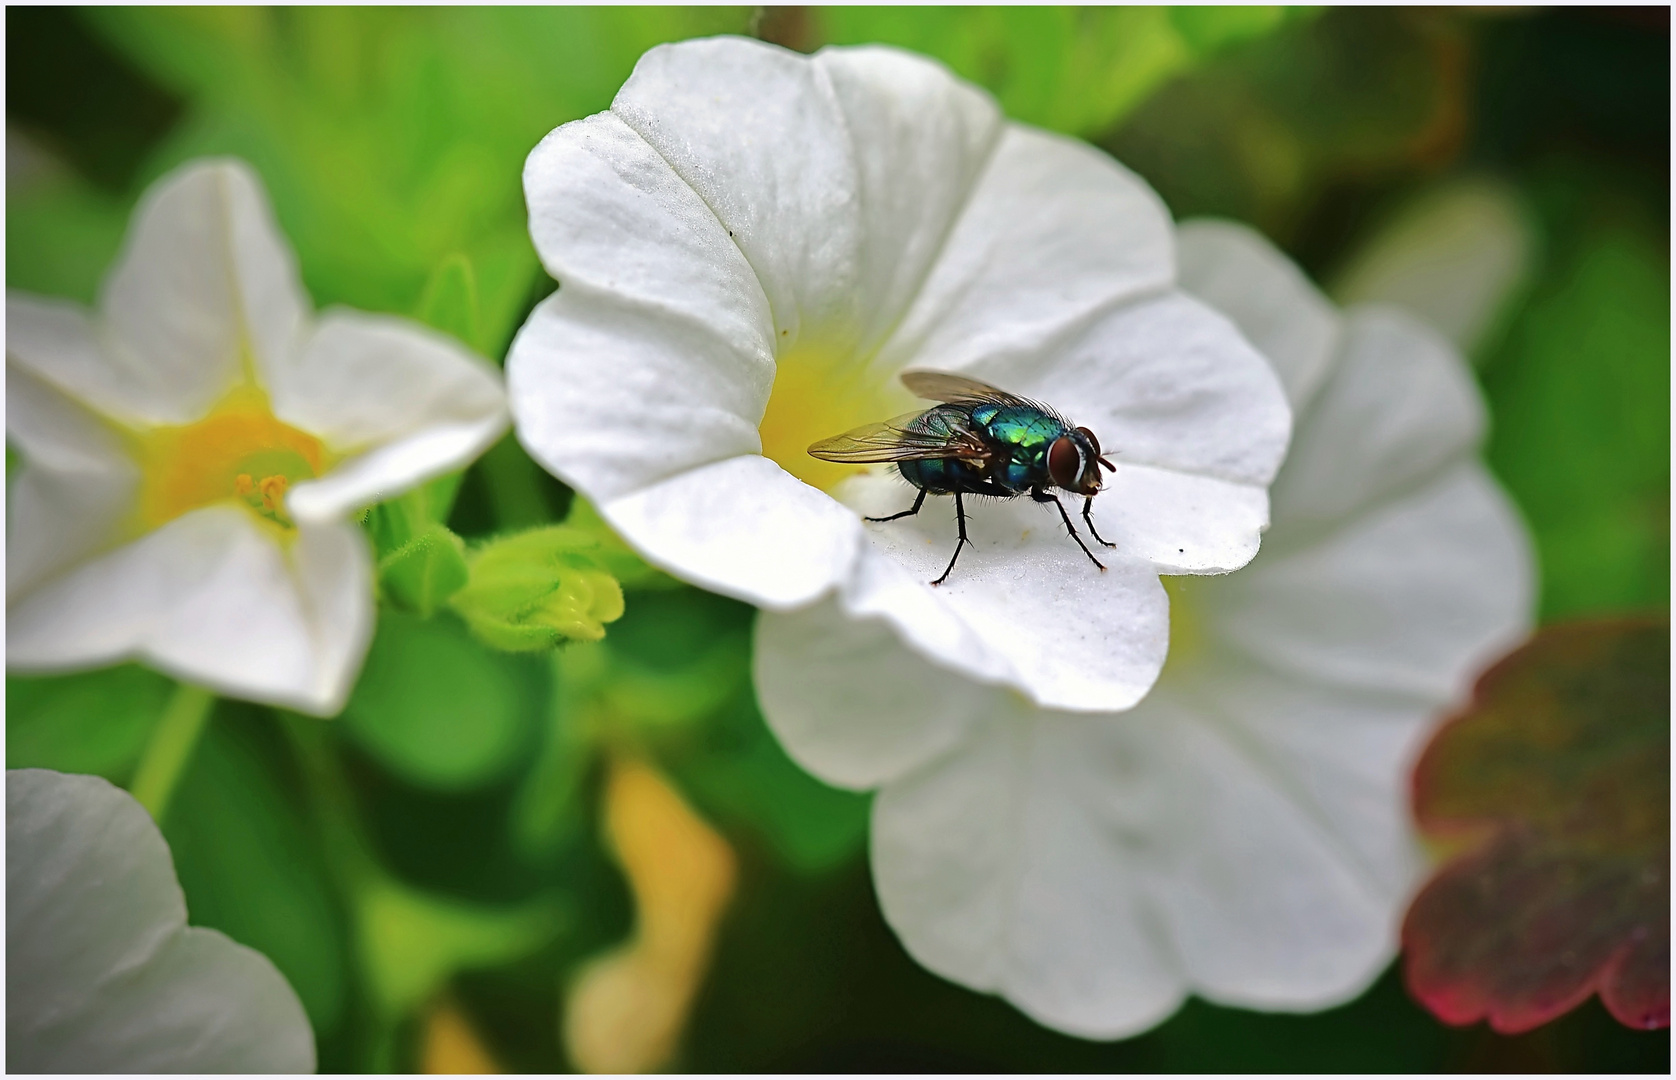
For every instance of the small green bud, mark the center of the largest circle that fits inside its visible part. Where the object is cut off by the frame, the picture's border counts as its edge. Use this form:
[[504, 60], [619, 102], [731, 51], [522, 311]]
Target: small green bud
[[536, 589], [424, 572]]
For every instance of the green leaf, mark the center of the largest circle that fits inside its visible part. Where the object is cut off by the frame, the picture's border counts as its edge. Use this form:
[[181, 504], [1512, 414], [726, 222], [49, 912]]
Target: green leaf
[[435, 707], [244, 858], [1077, 70], [97, 722], [1558, 779], [411, 942], [424, 572]]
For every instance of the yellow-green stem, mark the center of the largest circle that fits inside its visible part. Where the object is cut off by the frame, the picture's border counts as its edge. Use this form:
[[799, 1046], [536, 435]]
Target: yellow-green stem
[[170, 748]]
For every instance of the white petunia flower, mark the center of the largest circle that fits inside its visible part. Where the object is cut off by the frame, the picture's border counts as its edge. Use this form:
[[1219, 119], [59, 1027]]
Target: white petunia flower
[[102, 972], [192, 451], [752, 245], [1242, 834]]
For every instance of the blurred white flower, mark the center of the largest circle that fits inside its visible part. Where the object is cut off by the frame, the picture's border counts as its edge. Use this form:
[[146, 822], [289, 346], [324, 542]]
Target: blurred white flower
[[192, 450], [1242, 834], [751, 246], [102, 973]]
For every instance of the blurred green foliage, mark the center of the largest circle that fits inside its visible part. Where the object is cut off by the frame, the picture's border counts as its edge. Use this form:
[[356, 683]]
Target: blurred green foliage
[[443, 832], [1580, 391], [250, 867], [1077, 70], [436, 707], [94, 723]]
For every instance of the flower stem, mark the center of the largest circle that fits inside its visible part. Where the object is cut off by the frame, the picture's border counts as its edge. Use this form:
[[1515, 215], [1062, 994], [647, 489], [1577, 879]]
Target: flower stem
[[170, 748], [514, 483]]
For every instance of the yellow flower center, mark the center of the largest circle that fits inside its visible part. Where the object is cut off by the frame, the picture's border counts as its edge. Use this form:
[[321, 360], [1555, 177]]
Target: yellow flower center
[[240, 451], [817, 395]]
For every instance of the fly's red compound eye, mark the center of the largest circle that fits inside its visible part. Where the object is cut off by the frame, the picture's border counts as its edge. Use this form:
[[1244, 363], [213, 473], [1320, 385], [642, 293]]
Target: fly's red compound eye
[[1064, 461], [1092, 441]]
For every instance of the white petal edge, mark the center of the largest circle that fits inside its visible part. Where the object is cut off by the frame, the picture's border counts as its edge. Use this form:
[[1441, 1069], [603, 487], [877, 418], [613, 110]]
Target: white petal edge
[[406, 403], [838, 230], [1412, 598], [1235, 270], [102, 973], [213, 598], [834, 689], [755, 131], [743, 527], [983, 868], [75, 486]]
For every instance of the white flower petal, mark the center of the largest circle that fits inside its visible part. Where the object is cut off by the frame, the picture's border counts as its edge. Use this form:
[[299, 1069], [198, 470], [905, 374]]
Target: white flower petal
[[1341, 754], [831, 689], [1178, 522], [404, 402], [59, 342], [1240, 274], [1398, 407], [611, 218], [1410, 598], [743, 527], [204, 277], [613, 399], [213, 598], [75, 486], [1023, 605], [1018, 864], [1094, 869], [1054, 232], [925, 136], [837, 229], [102, 973], [1266, 902]]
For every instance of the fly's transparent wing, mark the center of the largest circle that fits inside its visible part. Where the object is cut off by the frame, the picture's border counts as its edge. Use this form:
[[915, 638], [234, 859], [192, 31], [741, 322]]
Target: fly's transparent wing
[[902, 439], [955, 389]]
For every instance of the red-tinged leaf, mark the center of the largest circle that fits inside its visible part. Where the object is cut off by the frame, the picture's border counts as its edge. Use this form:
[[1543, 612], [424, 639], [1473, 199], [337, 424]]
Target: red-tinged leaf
[[1557, 777]]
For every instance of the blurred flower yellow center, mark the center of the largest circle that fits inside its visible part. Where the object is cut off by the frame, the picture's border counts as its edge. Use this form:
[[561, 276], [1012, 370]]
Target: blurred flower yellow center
[[240, 451], [817, 395]]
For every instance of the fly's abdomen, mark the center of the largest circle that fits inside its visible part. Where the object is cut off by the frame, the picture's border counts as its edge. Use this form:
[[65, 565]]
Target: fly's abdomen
[[940, 476]]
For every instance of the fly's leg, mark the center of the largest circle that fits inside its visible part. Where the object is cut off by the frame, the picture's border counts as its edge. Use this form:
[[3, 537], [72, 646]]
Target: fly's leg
[[1044, 497], [1087, 505], [910, 512], [960, 517]]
